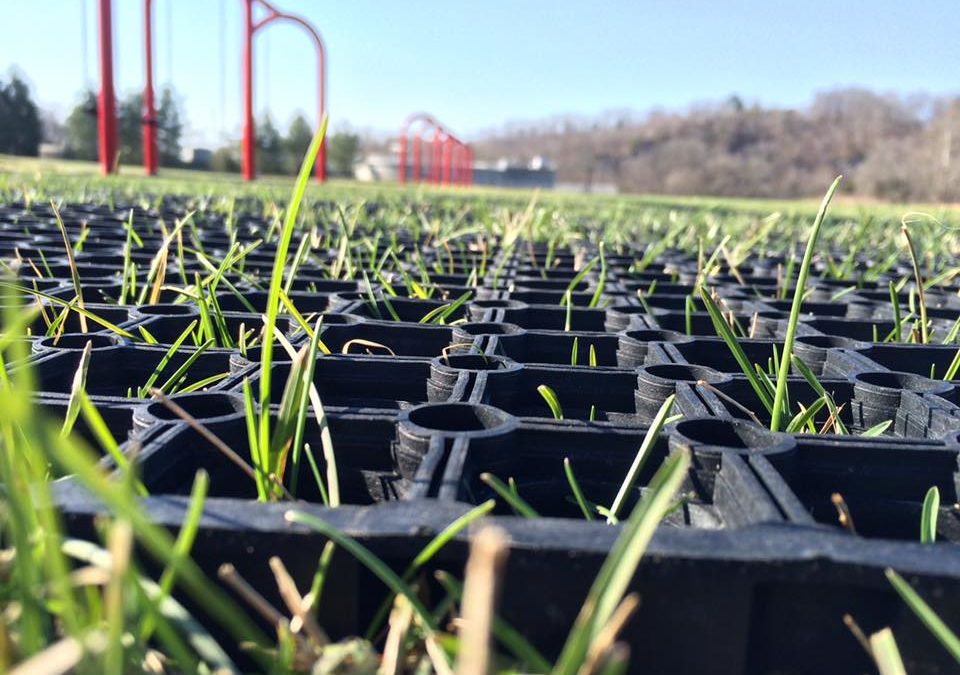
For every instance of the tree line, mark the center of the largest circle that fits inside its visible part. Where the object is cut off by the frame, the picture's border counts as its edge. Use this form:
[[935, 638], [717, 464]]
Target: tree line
[[23, 127], [888, 146], [892, 147]]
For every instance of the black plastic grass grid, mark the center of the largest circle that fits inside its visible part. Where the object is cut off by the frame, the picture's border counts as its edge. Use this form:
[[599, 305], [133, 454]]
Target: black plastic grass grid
[[433, 378]]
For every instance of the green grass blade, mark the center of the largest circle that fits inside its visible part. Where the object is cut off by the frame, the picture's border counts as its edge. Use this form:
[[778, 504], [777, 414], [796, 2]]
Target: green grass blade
[[276, 281], [640, 459], [726, 334], [814, 383], [368, 560], [877, 429], [77, 389], [182, 370], [511, 497], [165, 359], [802, 419], [575, 489], [798, 294], [550, 396], [895, 305], [427, 553], [182, 544], [598, 293], [925, 613], [928, 517], [618, 569]]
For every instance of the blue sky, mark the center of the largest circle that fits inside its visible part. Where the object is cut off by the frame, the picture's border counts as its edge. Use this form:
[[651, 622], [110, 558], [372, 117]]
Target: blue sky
[[477, 65]]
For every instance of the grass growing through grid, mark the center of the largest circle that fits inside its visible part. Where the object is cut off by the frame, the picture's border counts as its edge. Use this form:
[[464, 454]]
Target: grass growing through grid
[[83, 616]]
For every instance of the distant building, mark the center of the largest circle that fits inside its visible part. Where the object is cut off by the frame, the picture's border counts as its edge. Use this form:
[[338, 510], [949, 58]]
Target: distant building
[[591, 188], [376, 168], [51, 150], [197, 158], [537, 173]]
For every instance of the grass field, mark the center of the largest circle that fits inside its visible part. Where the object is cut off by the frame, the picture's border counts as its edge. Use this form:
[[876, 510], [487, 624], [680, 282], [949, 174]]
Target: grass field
[[70, 175]]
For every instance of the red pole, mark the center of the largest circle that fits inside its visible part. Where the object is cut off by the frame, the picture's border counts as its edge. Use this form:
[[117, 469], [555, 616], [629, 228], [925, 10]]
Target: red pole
[[320, 168], [458, 175], [416, 158], [248, 147], [436, 156], [469, 165], [447, 152], [454, 163], [106, 102], [149, 114], [402, 160]]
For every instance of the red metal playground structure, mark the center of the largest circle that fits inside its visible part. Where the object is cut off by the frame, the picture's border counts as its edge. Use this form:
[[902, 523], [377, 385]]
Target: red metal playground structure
[[451, 161]]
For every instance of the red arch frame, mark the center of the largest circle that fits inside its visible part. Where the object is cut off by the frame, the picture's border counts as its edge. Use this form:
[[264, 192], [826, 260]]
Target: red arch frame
[[452, 159], [248, 143], [106, 99]]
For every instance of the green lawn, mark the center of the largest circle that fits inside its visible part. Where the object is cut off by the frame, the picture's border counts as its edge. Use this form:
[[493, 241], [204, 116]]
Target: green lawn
[[67, 176]]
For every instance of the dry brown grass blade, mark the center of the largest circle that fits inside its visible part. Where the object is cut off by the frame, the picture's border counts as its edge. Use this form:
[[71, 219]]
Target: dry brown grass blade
[[215, 441], [61, 657], [438, 657], [832, 420], [742, 408], [365, 343], [401, 619], [843, 512], [232, 578], [74, 274], [488, 553], [301, 616], [161, 276], [858, 634], [606, 640]]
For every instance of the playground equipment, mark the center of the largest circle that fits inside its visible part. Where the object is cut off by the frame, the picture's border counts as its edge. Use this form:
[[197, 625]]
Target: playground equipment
[[106, 100], [451, 160]]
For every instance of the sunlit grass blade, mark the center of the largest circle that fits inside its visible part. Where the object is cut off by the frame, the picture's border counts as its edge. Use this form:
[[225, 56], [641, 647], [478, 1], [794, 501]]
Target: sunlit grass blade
[[814, 383], [165, 359], [442, 313], [77, 389], [928, 516], [598, 292], [640, 459], [184, 542], [612, 581], [876, 429], [82, 311], [723, 330], [575, 489], [276, 281], [895, 305], [428, 552], [511, 497], [925, 613], [72, 263], [883, 648], [550, 396], [368, 560], [805, 417], [798, 293], [180, 373], [108, 444]]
